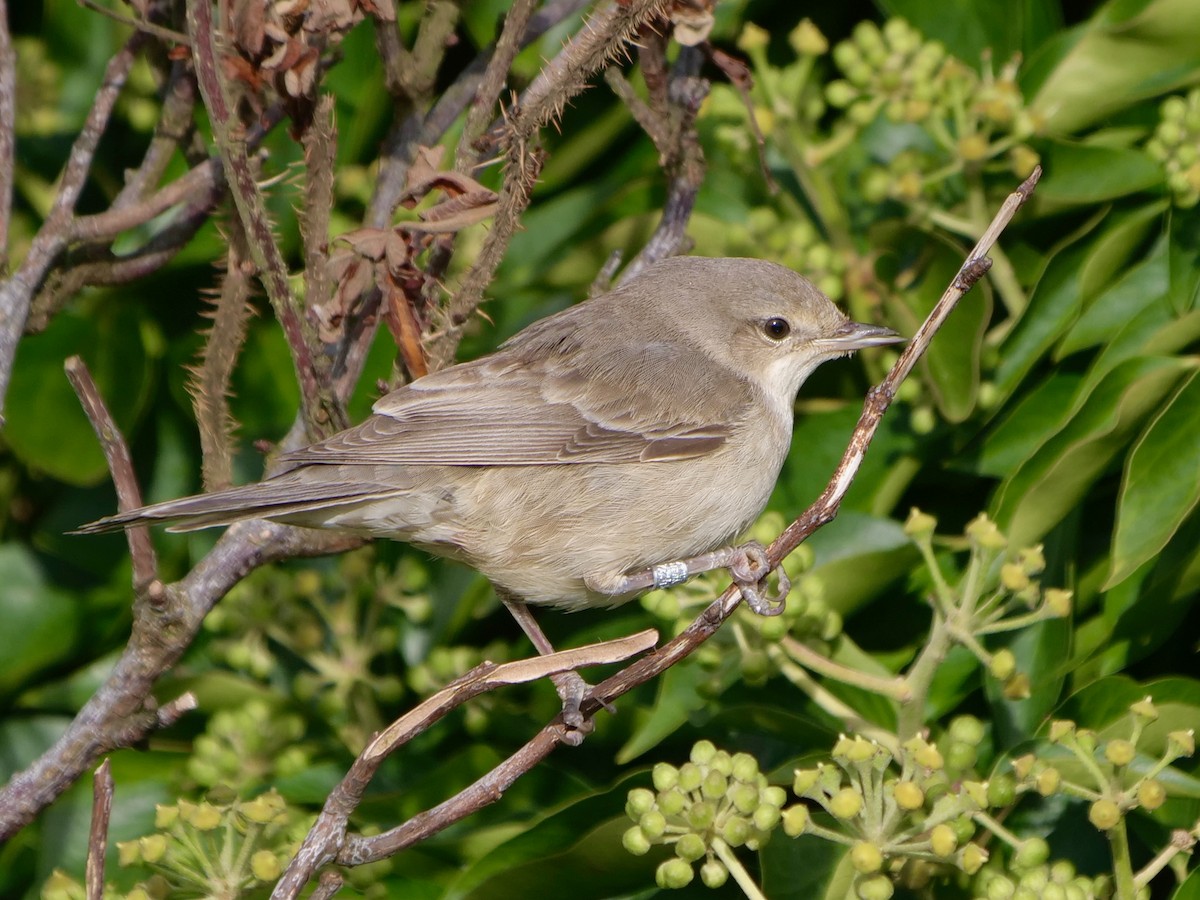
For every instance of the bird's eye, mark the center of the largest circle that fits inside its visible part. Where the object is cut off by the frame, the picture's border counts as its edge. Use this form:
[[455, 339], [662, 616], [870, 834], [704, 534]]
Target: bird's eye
[[776, 328]]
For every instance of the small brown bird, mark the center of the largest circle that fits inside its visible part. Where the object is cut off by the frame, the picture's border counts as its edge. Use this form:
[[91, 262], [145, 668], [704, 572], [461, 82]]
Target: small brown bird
[[616, 446]]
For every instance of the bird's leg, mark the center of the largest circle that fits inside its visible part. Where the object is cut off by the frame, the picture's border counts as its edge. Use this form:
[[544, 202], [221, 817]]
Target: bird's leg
[[747, 564], [570, 686]]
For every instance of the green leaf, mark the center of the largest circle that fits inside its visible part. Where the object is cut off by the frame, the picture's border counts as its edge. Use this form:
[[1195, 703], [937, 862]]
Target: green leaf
[[1142, 286], [678, 696], [806, 868], [1053, 482], [1038, 415], [47, 429], [1161, 485], [574, 851], [1056, 303], [1004, 29], [1079, 174], [45, 619], [1120, 59]]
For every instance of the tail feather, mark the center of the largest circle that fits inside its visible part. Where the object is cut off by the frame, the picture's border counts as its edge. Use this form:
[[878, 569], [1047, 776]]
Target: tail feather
[[271, 499]]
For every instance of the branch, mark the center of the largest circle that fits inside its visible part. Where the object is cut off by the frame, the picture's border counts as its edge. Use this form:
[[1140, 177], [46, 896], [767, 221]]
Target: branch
[[120, 464], [52, 237], [328, 837], [102, 797], [8, 123], [211, 377], [321, 412], [122, 712]]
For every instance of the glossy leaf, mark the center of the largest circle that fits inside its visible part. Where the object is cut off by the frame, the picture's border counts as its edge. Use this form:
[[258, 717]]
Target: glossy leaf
[[1052, 482], [1126, 53], [1161, 485], [1085, 173]]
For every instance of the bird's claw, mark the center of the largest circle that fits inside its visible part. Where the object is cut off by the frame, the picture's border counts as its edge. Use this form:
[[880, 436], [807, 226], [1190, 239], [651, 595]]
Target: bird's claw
[[750, 569], [572, 689]]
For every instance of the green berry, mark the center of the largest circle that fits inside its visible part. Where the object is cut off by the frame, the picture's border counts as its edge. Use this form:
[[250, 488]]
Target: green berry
[[967, 729], [1104, 814], [722, 762], [635, 841], [866, 857], [1119, 752], [690, 847], [961, 756], [639, 802], [714, 786], [1001, 791], [1062, 871], [674, 874], [773, 795], [703, 752], [690, 777], [1151, 794], [846, 803], [766, 817], [653, 824], [672, 802], [1031, 853], [874, 887], [714, 874], [909, 796], [665, 776], [736, 831], [942, 840], [744, 798], [745, 766], [701, 815], [795, 820]]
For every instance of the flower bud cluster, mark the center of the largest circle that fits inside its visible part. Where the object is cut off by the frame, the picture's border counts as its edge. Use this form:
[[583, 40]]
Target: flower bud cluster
[[1176, 144], [215, 847], [971, 117], [904, 815], [795, 243], [998, 591], [1037, 880], [1116, 786], [711, 804], [248, 745]]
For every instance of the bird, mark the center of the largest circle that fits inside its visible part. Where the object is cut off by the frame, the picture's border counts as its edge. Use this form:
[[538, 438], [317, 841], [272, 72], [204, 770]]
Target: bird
[[615, 446]]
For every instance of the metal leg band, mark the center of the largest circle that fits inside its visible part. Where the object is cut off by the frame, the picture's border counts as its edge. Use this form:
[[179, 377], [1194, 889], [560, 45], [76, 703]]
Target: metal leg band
[[670, 574]]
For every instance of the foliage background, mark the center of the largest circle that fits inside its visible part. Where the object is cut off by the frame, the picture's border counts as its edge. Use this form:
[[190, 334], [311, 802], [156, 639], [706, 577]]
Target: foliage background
[[1063, 402]]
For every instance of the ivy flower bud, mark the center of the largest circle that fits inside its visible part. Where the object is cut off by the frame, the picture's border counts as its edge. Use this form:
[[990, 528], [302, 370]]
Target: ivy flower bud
[[795, 820], [1119, 752], [674, 874], [866, 857], [634, 840], [943, 841], [846, 803], [1104, 814], [1151, 794]]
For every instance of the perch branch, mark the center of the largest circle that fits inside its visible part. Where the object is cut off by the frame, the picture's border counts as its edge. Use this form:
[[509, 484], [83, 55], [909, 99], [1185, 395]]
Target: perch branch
[[102, 797]]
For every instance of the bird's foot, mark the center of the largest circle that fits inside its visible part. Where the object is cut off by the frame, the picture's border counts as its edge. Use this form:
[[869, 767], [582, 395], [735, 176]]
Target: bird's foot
[[572, 689], [749, 568]]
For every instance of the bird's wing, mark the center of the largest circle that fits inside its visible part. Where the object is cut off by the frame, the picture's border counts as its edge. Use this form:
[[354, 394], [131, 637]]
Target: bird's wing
[[671, 402]]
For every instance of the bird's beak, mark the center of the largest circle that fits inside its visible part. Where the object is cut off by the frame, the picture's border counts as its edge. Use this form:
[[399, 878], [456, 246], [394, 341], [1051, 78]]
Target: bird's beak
[[856, 336]]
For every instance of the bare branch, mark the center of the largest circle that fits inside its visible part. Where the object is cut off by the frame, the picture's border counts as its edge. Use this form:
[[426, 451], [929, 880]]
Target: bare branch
[[320, 152], [102, 797], [120, 464], [8, 122], [328, 834], [122, 712], [52, 237], [480, 113], [321, 412]]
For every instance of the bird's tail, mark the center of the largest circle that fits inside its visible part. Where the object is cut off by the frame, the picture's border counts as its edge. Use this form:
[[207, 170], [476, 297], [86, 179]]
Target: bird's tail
[[284, 497]]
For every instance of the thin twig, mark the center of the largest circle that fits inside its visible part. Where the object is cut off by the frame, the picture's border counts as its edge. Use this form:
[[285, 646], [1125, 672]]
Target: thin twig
[[158, 31], [480, 112], [120, 464], [51, 239], [8, 124], [321, 412], [328, 836], [102, 797]]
